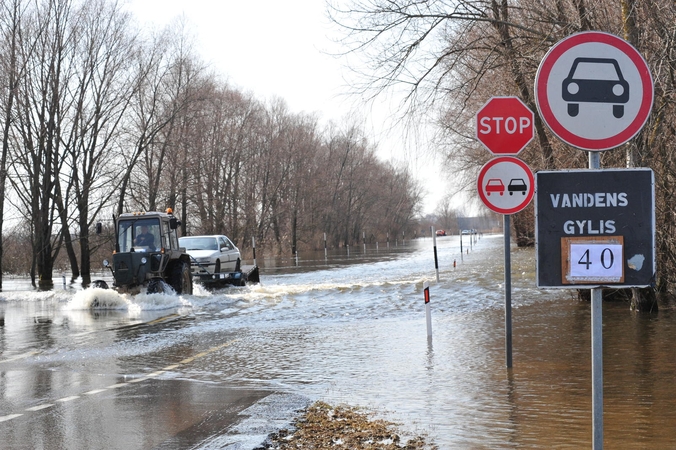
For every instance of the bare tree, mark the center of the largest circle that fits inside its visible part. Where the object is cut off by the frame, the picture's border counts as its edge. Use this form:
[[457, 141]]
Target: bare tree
[[11, 15], [39, 118], [91, 109], [101, 91]]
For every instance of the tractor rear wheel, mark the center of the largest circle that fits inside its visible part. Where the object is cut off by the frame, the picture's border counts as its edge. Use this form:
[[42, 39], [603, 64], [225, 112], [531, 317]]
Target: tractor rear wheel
[[181, 279]]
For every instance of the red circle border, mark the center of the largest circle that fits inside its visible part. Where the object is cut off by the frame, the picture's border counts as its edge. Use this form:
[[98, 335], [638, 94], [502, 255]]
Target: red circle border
[[521, 164], [545, 110]]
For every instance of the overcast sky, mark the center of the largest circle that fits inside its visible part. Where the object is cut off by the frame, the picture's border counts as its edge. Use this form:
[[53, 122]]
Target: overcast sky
[[281, 48]]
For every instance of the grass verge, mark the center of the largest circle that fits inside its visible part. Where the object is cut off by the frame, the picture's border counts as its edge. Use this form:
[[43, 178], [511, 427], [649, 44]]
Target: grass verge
[[322, 426]]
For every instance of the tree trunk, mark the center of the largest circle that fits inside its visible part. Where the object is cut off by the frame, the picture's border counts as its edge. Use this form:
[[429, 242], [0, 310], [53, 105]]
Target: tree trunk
[[642, 300]]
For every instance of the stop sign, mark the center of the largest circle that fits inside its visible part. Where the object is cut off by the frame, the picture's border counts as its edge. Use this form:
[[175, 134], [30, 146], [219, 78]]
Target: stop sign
[[504, 125]]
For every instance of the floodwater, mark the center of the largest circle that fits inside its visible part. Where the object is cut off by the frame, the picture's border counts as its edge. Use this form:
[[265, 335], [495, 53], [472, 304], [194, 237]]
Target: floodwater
[[345, 329]]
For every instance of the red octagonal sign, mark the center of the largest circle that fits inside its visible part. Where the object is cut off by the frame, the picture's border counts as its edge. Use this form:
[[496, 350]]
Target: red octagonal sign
[[504, 125]]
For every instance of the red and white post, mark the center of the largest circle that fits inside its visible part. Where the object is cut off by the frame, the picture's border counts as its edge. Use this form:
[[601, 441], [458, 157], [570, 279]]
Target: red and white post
[[428, 314]]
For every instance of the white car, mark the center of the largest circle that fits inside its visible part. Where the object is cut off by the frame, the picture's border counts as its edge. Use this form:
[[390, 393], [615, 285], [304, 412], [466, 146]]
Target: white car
[[213, 254]]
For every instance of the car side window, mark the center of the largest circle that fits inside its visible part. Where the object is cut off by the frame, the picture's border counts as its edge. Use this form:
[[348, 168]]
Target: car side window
[[222, 243]]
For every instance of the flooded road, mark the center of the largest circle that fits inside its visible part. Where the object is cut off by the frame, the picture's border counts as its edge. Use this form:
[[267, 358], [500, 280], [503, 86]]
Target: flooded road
[[223, 369]]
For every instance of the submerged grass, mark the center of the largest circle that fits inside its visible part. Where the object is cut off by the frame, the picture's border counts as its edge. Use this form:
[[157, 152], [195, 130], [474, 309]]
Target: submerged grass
[[322, 426]]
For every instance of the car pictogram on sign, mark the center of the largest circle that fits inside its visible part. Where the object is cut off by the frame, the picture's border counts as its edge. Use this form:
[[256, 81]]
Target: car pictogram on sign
[[517, 185], [595, 80], [495, 185]]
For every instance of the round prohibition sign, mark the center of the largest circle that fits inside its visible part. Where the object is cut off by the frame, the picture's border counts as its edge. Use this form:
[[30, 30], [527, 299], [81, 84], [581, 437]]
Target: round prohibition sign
[[594, 90], [506, 185]]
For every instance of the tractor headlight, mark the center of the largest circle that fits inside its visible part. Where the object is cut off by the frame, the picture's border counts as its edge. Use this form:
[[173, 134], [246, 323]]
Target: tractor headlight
[[144, 260]]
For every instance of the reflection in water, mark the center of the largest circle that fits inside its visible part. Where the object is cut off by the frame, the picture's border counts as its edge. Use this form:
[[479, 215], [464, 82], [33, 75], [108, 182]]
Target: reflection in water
[[356, 333]]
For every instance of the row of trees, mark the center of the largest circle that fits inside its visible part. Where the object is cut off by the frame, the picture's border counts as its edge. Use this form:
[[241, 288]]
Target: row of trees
[[98, 118], [455, 55]]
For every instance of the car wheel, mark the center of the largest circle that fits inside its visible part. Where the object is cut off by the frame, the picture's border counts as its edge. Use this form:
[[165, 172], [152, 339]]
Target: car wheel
[[573, 109], [618, 111], [217, 268]]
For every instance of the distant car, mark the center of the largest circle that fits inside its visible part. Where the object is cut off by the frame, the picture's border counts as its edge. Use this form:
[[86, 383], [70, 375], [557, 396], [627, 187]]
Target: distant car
[[465, 231], [595, 80], [495, 185], [441, 232], [214, 253], [517, 185]]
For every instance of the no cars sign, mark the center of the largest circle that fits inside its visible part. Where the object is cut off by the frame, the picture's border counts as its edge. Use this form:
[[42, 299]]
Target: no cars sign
[[594, 90]]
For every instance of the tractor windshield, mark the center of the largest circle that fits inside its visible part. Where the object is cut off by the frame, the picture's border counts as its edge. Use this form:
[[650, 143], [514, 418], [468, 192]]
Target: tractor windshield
[[143, 235]]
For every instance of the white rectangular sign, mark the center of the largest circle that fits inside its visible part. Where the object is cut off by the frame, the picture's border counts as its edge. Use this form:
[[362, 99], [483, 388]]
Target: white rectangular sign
[[593, 260]]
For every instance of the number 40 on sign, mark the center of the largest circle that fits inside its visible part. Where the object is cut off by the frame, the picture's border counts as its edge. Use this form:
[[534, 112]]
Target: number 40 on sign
[[591, 260]]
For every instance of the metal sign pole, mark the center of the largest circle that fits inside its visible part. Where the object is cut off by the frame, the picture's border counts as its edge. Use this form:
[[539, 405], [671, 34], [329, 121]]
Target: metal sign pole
[[508, 293], [597, 347], [597, 368]]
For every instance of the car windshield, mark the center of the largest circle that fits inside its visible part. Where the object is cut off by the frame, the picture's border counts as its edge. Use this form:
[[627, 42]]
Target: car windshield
[[199, 243], [595, 71]]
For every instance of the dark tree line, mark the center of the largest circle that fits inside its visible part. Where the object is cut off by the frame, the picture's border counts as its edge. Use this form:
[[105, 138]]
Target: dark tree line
[[99, 117], [455, 55]]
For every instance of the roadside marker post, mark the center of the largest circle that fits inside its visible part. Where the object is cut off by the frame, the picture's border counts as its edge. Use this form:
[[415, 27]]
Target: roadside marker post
[[436, 259], [428, 314], [253, 246]]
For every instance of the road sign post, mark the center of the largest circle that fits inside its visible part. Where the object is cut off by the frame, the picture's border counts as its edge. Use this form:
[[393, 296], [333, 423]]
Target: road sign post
[[504, 125], [506, 186], [595, 92]]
